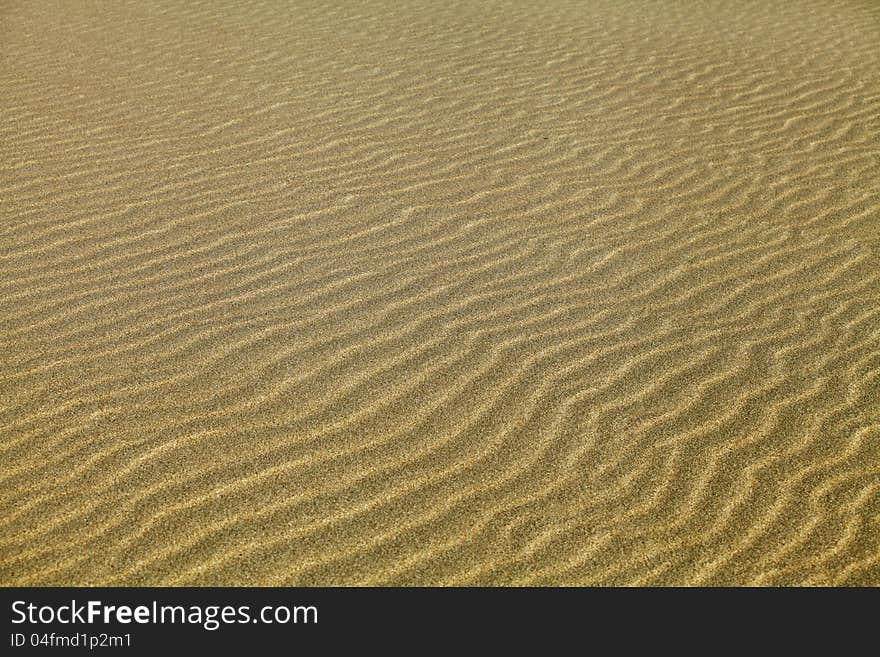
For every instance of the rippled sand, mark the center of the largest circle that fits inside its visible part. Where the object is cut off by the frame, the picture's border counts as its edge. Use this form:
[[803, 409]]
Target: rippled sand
[[440, 292]]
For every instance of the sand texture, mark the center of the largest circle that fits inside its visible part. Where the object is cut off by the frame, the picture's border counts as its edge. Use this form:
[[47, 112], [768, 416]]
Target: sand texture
[[444, 293]]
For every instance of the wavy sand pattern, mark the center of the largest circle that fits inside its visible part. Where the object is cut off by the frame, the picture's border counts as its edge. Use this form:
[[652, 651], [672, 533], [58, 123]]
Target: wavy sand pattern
[[440, 293]]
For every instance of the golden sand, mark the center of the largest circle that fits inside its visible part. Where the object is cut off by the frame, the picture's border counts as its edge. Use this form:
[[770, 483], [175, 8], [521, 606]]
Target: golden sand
[[440, 292]]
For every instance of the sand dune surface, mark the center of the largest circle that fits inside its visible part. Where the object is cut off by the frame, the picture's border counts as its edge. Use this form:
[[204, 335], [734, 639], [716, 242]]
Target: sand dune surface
[[440, 293]]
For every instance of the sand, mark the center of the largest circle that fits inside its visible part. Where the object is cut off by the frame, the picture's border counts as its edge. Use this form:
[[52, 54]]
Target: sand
[[443, 293]]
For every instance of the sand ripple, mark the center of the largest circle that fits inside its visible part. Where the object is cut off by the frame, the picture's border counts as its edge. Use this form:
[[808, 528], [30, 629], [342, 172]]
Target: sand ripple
[[440, 293]]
